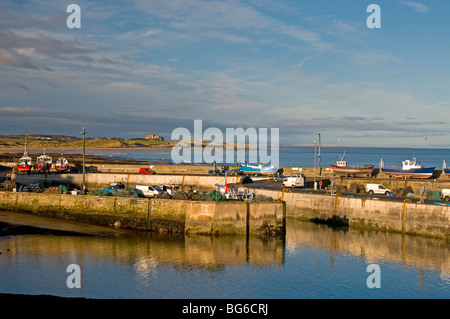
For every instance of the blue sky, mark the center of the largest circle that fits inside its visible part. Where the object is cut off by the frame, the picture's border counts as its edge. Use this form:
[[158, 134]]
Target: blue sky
[[305, 67]]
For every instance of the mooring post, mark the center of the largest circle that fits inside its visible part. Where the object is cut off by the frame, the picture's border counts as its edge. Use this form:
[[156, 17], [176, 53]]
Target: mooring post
[[336, 203], [405, 203]]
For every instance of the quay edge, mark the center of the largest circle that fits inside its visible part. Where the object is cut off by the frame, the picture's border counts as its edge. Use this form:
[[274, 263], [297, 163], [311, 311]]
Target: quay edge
[[394, 216], [163, 215]]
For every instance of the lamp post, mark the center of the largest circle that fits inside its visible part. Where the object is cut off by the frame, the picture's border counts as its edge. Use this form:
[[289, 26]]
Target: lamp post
[[84, 171], [320, 169]]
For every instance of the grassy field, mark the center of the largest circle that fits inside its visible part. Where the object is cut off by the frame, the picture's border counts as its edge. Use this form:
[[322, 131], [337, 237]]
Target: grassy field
[[67, 143]]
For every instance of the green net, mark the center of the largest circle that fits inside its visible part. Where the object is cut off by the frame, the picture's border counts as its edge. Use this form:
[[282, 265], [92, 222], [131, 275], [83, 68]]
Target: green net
[[215, 196]]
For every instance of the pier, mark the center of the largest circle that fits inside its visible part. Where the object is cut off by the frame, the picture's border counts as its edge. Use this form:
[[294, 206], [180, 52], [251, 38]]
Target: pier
[[163, 215], [400, 215]]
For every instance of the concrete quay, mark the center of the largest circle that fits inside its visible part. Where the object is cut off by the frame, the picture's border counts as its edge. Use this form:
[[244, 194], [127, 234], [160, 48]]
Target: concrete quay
[[164, 215], [98, 180], [403, 217]]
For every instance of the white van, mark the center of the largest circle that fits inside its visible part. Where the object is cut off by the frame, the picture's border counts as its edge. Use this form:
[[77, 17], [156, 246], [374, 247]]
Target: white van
[[377, 189], [446, 194], [149, 190], [297, 180]]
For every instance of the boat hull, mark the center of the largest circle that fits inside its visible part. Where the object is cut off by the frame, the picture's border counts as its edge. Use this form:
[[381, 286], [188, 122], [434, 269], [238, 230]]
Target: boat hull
[[250, 169], [420, 173], [24, 168], [352, 170]]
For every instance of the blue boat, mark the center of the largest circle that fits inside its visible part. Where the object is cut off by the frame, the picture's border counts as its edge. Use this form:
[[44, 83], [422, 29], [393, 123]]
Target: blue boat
[[410, 169], [258, 169]]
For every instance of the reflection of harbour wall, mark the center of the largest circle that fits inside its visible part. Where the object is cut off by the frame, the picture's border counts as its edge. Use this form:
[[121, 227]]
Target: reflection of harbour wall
[[374, 246], [148, 250], [155, 214], [414, 218]]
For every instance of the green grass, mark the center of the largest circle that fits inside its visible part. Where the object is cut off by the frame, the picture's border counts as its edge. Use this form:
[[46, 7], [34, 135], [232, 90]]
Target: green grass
[[77, 143]]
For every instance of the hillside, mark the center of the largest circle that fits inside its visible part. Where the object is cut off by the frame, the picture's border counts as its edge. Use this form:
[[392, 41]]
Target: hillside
[[66, 142]]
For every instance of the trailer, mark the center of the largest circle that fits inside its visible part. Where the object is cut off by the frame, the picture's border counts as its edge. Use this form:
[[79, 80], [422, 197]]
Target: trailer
[[222, 170]]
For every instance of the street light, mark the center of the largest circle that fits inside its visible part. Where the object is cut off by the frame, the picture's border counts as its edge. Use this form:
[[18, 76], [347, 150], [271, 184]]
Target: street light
[[84, 171]]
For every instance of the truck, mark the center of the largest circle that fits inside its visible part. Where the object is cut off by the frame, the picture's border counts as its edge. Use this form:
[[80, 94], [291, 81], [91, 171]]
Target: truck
[[377, 189], [149, 190], [297, 180]]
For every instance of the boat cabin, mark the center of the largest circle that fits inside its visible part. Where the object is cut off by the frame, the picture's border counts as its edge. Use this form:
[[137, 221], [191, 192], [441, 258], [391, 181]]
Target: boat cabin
[[410, 164]]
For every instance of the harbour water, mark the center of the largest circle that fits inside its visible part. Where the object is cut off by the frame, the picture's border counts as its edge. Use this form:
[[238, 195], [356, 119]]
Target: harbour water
[[311, 262]]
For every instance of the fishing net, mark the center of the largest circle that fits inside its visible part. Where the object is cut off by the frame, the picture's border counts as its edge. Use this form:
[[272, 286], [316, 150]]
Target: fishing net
[[215, 196]]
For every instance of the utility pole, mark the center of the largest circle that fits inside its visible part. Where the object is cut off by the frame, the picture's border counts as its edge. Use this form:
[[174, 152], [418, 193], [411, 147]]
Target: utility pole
[[320, 169], [315, 164], [84, 153]]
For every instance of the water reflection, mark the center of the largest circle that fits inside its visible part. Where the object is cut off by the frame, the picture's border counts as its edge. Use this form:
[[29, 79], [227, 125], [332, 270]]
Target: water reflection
[[307, 262], [373, 246]]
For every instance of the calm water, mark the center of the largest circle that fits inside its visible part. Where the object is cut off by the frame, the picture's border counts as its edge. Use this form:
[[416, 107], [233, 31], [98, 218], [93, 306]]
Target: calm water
[[307, 156], [314, 261], [295, 156]]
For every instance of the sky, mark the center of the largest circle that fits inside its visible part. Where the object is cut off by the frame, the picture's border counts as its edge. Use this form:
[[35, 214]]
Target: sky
[[305, 67]]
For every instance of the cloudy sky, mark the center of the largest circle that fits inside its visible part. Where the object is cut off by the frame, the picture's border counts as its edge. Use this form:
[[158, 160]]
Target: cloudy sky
[[305, 67]]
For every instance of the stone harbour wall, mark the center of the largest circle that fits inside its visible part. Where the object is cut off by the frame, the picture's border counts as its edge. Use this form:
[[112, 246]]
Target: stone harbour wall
[[165, 215]]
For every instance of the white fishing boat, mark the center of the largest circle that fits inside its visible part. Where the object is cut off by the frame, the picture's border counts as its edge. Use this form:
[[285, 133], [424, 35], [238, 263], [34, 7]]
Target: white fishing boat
[[62, 164], [43, 163]]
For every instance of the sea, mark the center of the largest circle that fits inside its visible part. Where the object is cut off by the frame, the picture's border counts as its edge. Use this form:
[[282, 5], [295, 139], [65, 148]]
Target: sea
[[310, 262], [296, 156]]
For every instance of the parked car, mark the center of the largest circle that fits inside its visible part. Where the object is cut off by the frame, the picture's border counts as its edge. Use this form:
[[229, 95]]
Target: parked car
[[146, 171], [377, 189]]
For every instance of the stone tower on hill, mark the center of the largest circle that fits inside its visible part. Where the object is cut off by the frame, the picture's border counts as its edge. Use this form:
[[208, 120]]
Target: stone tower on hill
[[154, 137]]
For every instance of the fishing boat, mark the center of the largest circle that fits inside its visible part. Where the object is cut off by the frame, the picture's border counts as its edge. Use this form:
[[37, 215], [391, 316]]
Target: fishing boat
[[410, 169], [341, 168], [62, 164], [258, 169], [25, 163], [43, 163]]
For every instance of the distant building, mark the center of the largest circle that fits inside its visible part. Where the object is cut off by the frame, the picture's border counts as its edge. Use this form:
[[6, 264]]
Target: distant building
[[154, 137]]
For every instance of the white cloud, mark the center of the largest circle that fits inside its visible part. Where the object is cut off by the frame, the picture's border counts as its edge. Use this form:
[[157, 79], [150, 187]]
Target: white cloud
[[416, 6]]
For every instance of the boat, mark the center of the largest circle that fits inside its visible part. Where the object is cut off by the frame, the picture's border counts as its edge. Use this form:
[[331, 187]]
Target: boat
[[410, 169], [341, 168], [62, 164], [43, 163], [258, 169], [25, 163]]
